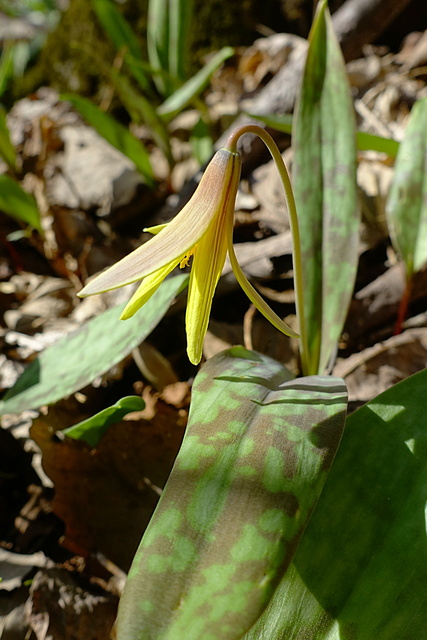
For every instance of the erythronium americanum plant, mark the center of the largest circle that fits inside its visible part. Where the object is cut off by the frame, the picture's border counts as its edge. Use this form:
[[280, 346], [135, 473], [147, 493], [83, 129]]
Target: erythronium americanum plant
[[203, 232], [257, 536]]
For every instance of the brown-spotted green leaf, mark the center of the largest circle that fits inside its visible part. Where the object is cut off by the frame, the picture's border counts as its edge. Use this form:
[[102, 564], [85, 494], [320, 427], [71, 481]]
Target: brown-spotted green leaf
[[324, 180], [76, 360], [407, 202], [361, 568], [255, 456]]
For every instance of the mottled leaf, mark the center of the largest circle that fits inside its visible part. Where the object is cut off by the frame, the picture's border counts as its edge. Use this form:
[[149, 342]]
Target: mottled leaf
[[92, 429], [18, 203], [324, 180], [361, 567], [76, 360], [254, 459], [407, 202], [115, 133]]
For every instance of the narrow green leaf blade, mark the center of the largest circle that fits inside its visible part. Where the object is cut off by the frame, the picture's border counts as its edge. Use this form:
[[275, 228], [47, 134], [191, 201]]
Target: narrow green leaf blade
[[115, 133], [158, 43], [194, 86], [122, 36], [254, 459], [7, 150], [407, 202], [361, 567], [92, 429], [141, 110], [324, 180], [18, 203], [180, 18], [76, 360]]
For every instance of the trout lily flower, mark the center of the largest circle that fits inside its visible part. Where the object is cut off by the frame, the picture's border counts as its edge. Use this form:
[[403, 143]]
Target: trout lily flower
[[201, 232]]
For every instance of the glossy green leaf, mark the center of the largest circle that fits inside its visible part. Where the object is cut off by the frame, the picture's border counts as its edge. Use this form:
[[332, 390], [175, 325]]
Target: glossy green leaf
[[123, 37], [115, 133], [18, 203], [168, 28], [92, 429], [407, 202], [182, 97], [324, 180], [255, 456], [7, 150], [360, 572], [365, 141], [76, 360]]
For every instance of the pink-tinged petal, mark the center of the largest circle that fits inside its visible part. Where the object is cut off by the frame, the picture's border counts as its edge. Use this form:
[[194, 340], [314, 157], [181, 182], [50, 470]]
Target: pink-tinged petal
[[179, 236], [208, 262]]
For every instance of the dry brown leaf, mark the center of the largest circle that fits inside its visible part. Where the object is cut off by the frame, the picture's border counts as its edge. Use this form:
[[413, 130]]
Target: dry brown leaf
[[62, 606], [106, 496], [372, 371]]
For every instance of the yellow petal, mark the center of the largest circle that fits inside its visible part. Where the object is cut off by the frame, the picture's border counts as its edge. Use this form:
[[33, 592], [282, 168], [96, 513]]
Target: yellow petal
[[146, 289], [179, 236], [208, 262], [156, 228], [254, 296]]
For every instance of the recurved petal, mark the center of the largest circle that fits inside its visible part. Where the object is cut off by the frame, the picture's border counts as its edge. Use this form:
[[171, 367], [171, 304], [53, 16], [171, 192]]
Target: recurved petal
[[180, 235], [208, 262], [254, 296], [146, 289]]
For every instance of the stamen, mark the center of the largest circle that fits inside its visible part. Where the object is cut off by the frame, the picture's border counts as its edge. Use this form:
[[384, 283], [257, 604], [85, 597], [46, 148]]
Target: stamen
[[185, 262]]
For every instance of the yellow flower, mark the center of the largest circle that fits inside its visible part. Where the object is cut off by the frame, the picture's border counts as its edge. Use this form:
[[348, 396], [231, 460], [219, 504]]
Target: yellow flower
[[203, 232]]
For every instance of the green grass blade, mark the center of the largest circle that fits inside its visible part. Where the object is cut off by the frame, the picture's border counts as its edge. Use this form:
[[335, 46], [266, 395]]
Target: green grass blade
[[255, 456], [76, 360], [180, 18], [18, 203], [407, 202], [115, 133], [92, 429], [361, 567], [122, 36], [324, 180], [141, 110], [371, 142], [183, 96], [365, 141], [168, 29], [157, 44], [6, 65], [7, 150]]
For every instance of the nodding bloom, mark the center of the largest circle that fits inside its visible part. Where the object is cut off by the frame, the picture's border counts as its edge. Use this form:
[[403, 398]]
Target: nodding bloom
[[202, 232]]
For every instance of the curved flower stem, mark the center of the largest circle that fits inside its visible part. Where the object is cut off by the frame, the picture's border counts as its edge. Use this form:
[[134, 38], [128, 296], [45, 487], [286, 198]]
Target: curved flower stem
[[296, 244]]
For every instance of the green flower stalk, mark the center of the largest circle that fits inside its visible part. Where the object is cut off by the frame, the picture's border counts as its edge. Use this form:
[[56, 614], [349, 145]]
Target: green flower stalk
[[202, 232]]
